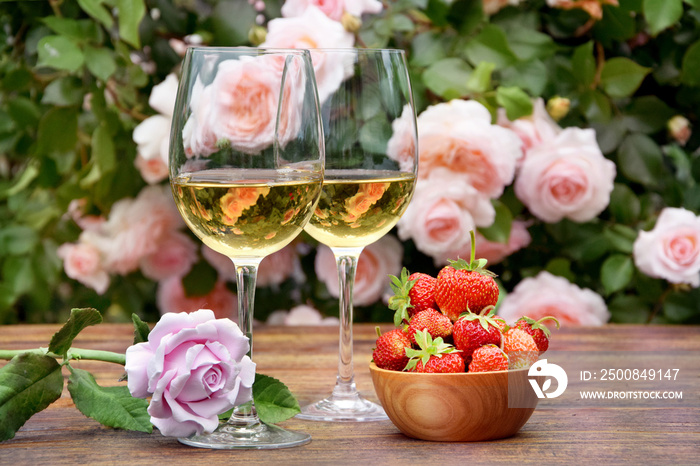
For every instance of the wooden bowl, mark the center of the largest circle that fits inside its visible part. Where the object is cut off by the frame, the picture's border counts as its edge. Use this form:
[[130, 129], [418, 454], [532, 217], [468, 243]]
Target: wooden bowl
[[464, 407]]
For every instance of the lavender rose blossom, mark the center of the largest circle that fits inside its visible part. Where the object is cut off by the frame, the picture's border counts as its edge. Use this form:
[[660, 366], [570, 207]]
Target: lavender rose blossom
[[194, 367]]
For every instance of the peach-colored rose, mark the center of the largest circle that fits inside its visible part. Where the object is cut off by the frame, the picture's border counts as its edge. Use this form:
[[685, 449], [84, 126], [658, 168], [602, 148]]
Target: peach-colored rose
[[404, 141], [592, 7], [153, 171], [494, 6], [279, 266], [76, 209], [237, 200], [443, 211], [313, 30], [334, 9], [171, 297], [533, 129], [671, 250], [495, 252], [135, 226], [458, 135], [566, 177], [174, 257], [82, 261], [243, 106], [273, 270], [377, 261], [358, 205], [300, 315], [550, 295]]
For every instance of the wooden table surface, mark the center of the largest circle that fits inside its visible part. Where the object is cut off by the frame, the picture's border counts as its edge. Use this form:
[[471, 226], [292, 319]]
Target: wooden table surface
[[305, 358]]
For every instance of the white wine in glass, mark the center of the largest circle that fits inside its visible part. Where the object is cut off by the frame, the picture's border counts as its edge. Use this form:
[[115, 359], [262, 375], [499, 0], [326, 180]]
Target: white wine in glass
[[246, 171], [370, 131]]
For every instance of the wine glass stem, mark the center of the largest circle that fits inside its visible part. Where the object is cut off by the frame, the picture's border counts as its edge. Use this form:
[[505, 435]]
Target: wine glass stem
[[246, 275], [346, 261]]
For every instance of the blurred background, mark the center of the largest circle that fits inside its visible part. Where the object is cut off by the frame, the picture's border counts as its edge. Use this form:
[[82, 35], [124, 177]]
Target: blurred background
[[560, 130]]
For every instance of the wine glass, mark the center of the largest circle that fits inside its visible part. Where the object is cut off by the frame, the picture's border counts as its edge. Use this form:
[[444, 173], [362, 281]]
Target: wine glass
[[246, 169], [370, 131]]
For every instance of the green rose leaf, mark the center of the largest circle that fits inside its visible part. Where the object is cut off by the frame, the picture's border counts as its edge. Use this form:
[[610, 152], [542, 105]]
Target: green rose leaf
[[427, 48], [624, 204], [499, 232], [561, 267], [516, 102], [97, 10], [201, 279], [661, 15], [528, 44], [100, 62], [273, 400], [480, 80], [28, 384], [628, 309], [448, 78], [58, 130], [583, 64], [691, 65], [64, 91], [491, 45], [621, 77], [61, 53], [103, 150], [131, 13], [141, 329], [110, 406], [647, 114], [18, 273], [640, 159], [78, 320], [17, 240]]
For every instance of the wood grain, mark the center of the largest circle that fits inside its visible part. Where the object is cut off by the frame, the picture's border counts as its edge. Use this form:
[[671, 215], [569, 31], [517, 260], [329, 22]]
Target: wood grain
[[306, 360]]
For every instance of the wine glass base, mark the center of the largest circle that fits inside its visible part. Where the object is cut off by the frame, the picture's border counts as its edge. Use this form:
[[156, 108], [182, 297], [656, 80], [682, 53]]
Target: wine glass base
[[261, 437], [334, 409]]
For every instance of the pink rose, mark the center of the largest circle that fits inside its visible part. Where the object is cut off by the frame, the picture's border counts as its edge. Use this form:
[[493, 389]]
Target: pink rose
[[76, 209], [550, 295], [197, 135], [300, 315], [135, 226], [402, 144], [671, 250], [334, 9], [313, 30], [273, 270], [458, 135], [153, 171], [566, 177], [243, 107], [442, 212], [152, 137], [170, 297], [533, 129], [83, 262], [174, 257], [495, 252], [194, 367], [377, 261]]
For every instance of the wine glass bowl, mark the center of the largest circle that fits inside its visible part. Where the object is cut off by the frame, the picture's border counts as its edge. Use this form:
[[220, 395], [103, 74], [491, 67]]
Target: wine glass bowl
[[246, 170], [370, 135]]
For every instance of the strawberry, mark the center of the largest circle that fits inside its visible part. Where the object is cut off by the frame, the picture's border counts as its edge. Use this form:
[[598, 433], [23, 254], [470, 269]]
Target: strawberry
[[433, 355], [474, 330], [437, 324], [520, 347], [501, 322], [465, 286], [488, 358], [422, 293], [539, 332], [390, 352]]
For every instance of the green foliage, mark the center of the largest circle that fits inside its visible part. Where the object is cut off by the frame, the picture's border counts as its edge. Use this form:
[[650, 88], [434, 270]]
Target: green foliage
[[79, 319], [273, 401], [72, 90]]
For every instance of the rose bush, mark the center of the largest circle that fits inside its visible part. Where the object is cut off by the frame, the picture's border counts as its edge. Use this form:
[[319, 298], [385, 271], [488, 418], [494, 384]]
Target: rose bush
[[560, 130]]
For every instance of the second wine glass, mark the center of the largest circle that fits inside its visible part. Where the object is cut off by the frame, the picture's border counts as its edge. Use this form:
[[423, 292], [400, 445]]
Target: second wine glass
[[371, 163]]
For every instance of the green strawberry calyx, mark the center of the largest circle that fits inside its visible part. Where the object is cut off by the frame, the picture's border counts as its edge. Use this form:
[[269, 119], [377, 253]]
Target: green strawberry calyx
[[428, 348], [474, 264], [401, 302], [538, 325], [486, 317]]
